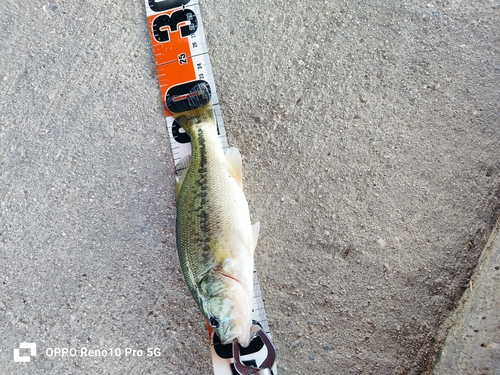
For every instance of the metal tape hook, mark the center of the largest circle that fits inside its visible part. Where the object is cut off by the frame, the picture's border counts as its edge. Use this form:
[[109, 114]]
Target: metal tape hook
[[266, 365]]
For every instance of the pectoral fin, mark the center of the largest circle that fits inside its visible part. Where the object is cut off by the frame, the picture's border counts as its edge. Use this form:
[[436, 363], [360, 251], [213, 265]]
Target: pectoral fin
[[218, 249], [234, 165]]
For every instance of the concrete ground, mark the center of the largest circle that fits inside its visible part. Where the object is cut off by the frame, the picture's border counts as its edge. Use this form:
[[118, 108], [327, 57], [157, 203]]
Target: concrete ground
[[472, 345], [370, 134]]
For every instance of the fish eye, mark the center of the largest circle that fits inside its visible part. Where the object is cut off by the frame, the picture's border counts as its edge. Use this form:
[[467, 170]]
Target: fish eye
[[214, 323]]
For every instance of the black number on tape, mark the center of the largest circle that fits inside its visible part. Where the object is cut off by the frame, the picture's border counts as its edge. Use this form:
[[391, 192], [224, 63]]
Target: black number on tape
[[182, 58], [187, 96], [179, 134], [161, 22], [160, 6]]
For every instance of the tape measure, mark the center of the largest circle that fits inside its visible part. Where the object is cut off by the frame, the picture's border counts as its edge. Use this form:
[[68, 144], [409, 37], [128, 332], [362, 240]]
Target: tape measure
[[184, 71]]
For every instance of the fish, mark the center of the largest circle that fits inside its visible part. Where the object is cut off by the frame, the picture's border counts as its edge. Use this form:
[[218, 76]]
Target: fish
[[215, 238]]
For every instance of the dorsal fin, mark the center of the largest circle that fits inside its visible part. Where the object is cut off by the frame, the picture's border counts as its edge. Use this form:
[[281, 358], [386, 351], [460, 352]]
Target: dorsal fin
[[233, 161]]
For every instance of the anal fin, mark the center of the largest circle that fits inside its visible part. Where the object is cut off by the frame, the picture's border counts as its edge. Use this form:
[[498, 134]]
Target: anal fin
[[255, 235]]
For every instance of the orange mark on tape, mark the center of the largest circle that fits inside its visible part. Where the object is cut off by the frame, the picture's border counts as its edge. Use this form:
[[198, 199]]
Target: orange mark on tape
[[174, 64]]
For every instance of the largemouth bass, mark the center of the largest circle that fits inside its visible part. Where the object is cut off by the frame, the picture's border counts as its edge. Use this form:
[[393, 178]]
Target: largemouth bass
[[215, 238]]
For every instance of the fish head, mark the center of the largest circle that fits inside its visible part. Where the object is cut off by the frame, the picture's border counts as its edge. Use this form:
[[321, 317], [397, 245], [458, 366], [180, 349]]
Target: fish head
[[229, 314]]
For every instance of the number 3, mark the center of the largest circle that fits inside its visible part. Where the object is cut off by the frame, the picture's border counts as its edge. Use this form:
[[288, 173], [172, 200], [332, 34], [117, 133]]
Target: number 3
[[171, 22]]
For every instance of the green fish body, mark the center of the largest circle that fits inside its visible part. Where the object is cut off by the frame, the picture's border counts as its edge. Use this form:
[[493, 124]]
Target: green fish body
[[215, 238]]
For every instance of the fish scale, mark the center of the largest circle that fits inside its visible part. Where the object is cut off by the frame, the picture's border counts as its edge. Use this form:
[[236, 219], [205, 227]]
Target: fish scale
[[215, 239]]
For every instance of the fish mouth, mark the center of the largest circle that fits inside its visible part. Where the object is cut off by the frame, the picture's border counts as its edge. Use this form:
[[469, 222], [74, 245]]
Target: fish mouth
[[231, 332], [234, 333], [227, 337]]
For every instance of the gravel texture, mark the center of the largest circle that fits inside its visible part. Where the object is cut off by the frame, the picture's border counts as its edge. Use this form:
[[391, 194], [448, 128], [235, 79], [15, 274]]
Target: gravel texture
[[370, 134]]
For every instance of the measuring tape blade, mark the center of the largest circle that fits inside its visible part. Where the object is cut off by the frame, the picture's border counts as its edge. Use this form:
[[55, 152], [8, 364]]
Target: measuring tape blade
[[185, 76], [181, 57]]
